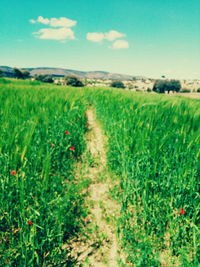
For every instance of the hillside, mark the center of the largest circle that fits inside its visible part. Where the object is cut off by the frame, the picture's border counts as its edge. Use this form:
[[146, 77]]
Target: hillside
[[59, 72]]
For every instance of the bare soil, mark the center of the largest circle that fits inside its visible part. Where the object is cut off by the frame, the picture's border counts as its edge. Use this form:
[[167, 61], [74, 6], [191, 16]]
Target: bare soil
[[99, 247]]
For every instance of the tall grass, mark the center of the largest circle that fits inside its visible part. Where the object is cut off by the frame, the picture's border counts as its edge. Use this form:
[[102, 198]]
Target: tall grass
[[153, 146], [154, 149], [41, 138]]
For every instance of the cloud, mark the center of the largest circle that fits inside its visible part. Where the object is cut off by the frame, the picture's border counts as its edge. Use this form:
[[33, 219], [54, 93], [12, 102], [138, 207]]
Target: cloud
[[60, 28], [113, 35], [60, 34], [55, 22], [95, 37], [120, 44], [98, 37]]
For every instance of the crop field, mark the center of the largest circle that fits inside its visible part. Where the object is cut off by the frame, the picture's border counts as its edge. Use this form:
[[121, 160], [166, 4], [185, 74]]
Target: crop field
[[41, 139], [154, 147], [153, 150]]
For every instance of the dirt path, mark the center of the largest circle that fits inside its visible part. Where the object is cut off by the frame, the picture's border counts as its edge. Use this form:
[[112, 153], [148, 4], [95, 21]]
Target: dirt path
[[100, 246]]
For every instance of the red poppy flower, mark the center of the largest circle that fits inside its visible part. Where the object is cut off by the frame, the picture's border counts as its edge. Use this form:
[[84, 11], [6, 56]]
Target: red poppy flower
[[13, 172], [66, 132], [72, 148], [29, 223], [182, 211]]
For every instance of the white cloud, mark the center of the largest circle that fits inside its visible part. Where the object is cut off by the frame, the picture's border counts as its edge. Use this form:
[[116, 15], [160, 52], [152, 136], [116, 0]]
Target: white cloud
[[32, 21], [98, 37], [95, 37], [55, 22], [112, 35], [120, 44], [60, 34], [43, 20], [62, 22]]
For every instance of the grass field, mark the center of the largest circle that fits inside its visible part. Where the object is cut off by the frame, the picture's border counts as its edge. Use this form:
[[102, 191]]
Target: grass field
[[41, 138], [153, 147]]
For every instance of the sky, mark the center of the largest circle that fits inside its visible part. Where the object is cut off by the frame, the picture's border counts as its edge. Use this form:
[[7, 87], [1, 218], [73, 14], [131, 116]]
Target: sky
[[136, 37]]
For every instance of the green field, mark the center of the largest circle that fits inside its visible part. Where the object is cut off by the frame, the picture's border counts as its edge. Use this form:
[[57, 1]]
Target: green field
[[153, 147]]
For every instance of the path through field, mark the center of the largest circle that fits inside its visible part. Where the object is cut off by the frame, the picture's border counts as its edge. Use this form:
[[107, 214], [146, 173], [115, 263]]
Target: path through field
[[100, 248]]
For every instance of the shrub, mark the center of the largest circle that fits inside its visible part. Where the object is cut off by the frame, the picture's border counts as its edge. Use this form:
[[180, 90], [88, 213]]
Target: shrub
[[117, 84], [198, 90], [1, 73], [185, 90], [73, 81], [149, 90], [44, 78], [19, 74], [160, 86]]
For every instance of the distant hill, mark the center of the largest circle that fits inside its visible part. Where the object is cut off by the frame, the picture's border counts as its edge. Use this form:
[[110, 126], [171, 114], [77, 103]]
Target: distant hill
[[7, 71], [59, 72]]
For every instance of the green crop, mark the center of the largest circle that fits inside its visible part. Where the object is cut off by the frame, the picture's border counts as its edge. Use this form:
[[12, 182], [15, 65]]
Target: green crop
[[41, 206], [153, 147]]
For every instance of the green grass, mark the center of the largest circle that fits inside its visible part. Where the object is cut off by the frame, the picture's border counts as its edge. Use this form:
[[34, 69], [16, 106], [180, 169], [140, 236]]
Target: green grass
[[42, 192], [153, 147]]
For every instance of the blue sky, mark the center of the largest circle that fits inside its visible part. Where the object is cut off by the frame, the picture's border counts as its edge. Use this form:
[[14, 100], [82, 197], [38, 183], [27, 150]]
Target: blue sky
[[143, 37]]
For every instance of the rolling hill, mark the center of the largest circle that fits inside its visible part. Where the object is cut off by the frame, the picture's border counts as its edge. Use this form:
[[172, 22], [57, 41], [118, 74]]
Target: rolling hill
[[59, 72]]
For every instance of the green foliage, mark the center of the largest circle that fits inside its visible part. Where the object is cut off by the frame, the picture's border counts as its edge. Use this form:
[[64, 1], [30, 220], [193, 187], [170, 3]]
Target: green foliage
[[44, 78], [198, 90], [26, 74], [73, 81], [21, 74], [117, 84], [40, 203], [185, 90], [161, 86], [153, 148], [1, 73]]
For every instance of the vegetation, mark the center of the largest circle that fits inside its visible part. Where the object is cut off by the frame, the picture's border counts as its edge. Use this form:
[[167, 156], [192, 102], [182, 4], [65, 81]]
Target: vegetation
[[161, 86], [117, 84], [152, 148], [198, 90], [73, 81], [21, 74], [185, 90], [44, 78], [1, 73], [41, 205]]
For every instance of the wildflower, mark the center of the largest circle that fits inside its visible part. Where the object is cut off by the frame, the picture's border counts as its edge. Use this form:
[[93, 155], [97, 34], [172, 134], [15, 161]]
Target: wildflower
[[182, 211], [29, 223], [52, 144], [164, 264], [66, 132], [13, 172], [72, 148]]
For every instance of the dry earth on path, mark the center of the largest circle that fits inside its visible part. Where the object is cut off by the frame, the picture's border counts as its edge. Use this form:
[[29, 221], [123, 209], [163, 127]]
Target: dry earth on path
[[99, 247]]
